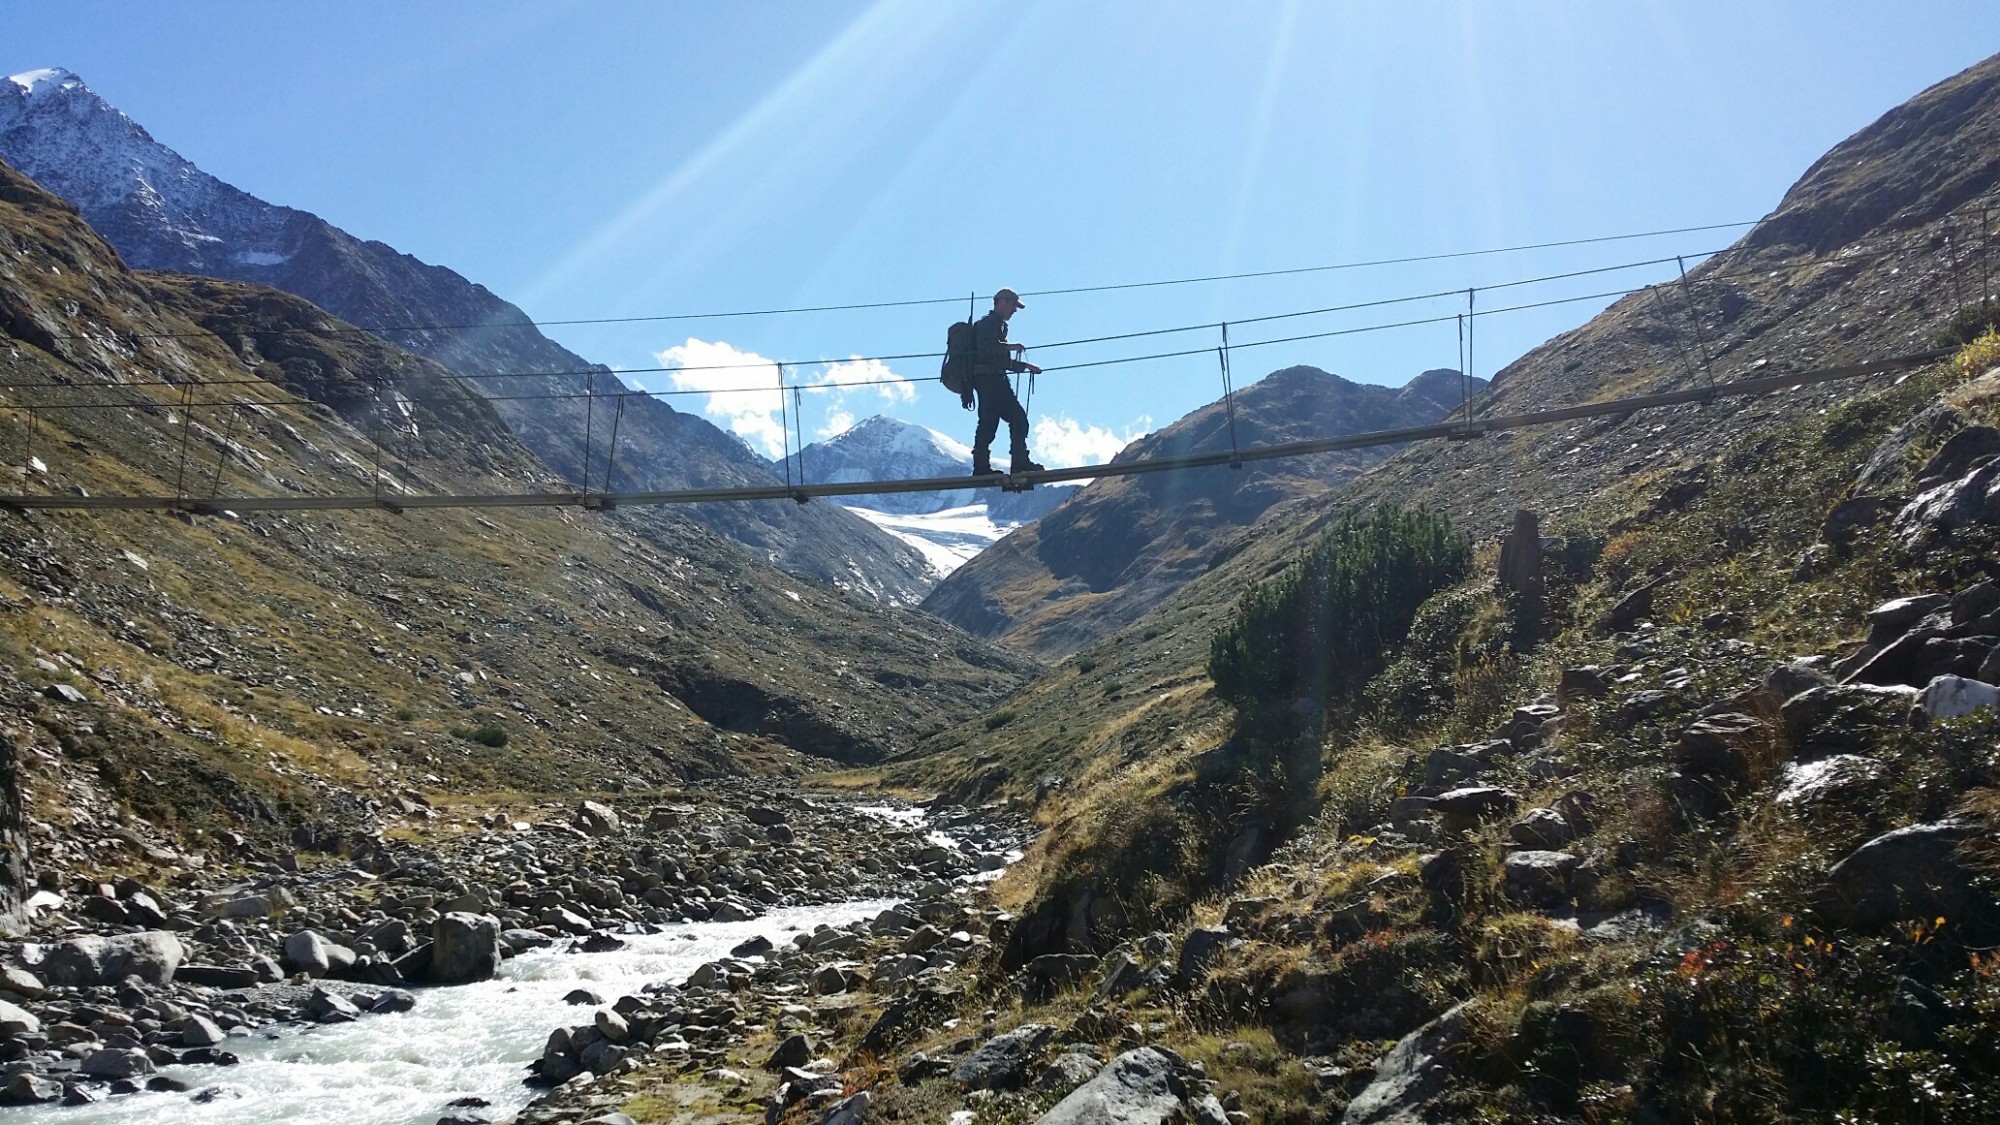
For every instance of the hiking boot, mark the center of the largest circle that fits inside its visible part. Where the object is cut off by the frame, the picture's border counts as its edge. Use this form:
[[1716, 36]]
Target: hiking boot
[[1023, 465], [983, 469]]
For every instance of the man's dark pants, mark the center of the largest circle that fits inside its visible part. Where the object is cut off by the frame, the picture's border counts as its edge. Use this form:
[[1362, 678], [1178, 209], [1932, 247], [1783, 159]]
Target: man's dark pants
[[997, 404]]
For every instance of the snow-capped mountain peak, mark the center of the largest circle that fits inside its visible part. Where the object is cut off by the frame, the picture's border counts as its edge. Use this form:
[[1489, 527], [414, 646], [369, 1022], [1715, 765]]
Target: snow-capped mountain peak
[[949, 526], [34, 82], [132, 188]]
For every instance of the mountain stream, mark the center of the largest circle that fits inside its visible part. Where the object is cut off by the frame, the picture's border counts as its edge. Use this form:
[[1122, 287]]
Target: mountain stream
[[471, 1040]]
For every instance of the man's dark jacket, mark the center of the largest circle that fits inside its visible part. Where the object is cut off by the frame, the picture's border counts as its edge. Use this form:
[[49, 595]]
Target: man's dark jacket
[[989, 347]]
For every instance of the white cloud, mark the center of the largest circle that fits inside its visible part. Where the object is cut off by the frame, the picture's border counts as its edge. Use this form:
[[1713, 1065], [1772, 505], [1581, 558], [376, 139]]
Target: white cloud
[[839, 420], [742, 389], [891, 387], [1062, 442]]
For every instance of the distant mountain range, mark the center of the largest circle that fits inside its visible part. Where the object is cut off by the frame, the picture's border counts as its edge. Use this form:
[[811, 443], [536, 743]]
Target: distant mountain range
[[159, 211], [1123, 544], [949, 527]]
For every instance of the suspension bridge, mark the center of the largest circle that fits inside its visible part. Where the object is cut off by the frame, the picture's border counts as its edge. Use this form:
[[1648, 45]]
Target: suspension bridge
[[1461, 425]]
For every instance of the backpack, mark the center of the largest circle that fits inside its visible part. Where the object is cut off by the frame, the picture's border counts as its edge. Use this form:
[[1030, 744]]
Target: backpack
[[956, 371]]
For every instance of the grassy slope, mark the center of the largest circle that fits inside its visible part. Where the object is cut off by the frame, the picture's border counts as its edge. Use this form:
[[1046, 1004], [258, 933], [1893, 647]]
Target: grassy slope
[[275, 660]]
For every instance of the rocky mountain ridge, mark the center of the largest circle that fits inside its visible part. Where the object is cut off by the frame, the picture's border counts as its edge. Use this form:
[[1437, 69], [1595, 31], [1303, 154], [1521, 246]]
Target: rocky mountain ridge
[[351, 656], [1124, 544], [162, 212]]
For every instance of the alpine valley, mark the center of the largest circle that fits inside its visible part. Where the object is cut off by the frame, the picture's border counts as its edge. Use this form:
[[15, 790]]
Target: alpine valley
[[1625, 751]]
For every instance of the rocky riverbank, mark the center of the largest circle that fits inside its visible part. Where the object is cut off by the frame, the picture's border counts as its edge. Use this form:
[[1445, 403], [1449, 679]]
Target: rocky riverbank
[[126, 977]]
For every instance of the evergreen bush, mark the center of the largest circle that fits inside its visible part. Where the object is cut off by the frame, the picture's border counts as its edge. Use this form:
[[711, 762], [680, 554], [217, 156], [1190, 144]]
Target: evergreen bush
[[1321, 629]]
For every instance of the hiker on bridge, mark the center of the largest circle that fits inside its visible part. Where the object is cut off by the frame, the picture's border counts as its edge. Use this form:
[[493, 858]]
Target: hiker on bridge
[[993, 359]]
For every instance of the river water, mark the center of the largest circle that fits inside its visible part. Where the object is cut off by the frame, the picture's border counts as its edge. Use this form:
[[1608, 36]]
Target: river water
[[405, 1069]]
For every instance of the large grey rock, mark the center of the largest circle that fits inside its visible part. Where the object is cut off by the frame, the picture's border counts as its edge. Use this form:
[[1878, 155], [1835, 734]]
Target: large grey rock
[[31, 1089], [1067, 1071], [218, 976], [464, 948], [1475, 802], [1414, 1071], [596, 819], [796, 1050], [1200, 950], [152, 956], [1542, 828], [1892, 618], [852, 1111], [200, 1031], [1719, 746], [1540, 877], [1002, 1062], [1913, 872], [1954, 697], [249, 905], [17, 1021], [117, 1062], [1969, 500], [309, 953], [1139, 1087], [1844, 717]]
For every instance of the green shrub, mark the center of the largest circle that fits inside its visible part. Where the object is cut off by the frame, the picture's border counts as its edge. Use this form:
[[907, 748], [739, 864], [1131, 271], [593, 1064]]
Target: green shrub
[[1321, 629], [487, 734], [1981, 318], [999, 719]]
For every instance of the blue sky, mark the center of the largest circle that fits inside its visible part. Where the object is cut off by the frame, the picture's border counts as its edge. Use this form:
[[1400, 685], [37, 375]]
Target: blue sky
[[630, 157]]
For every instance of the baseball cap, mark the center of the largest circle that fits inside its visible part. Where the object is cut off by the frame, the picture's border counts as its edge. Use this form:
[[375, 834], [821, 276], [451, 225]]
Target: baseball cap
[[1009, 295]]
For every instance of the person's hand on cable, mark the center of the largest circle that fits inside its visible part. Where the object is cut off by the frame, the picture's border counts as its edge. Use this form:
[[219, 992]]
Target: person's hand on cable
[[1032, 369]]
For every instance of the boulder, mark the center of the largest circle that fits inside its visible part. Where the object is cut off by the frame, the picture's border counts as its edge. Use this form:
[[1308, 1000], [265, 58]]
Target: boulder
[[1843, 718], [1540, 877], [1719, 746], [330, 1007], [1913, 872], [1121, 975], [1893, 618], [907, 1017], [1414, 1071], [307, 952], [218, 976], [1942, 509], [1464, 807], [1542, 828], [796, 1050], [16, 1021], [853, 1110], [1586, 682], [152, 956], [1053, 972], [116, 1062], [1139, 1087], [1851, 516], [1958, 454], [1920, 656], [1067, 1071], [1954, 697], [200, 1031], [464, 948], [31, 1089], [1836, 780], [596, 819], [1200, 950], [1002, 1062], [1450, 766]]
